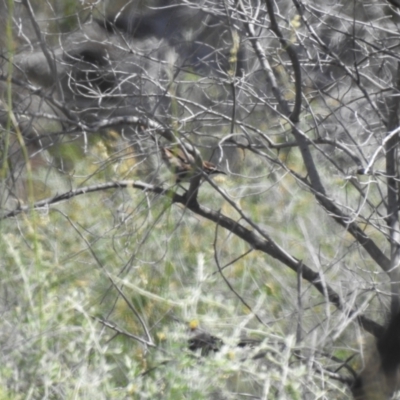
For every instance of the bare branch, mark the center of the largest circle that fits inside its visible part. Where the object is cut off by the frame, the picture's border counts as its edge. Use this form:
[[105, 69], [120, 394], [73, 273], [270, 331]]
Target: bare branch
[[256, 241]]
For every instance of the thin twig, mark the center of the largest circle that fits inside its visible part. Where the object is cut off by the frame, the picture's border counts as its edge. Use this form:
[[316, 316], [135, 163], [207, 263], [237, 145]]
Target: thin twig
[[122, 332], [299, 303], [231, 288]]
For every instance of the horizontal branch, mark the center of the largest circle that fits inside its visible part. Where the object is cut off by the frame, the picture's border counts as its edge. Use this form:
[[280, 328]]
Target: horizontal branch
[[89, 189], [254, 239]]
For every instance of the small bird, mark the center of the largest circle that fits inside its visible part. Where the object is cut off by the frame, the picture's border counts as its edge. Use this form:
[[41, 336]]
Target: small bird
[[205, 342], [182, 164]]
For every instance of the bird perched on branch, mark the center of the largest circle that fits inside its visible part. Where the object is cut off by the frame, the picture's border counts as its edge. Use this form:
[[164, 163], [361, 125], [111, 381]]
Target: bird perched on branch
[[182, 164]]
